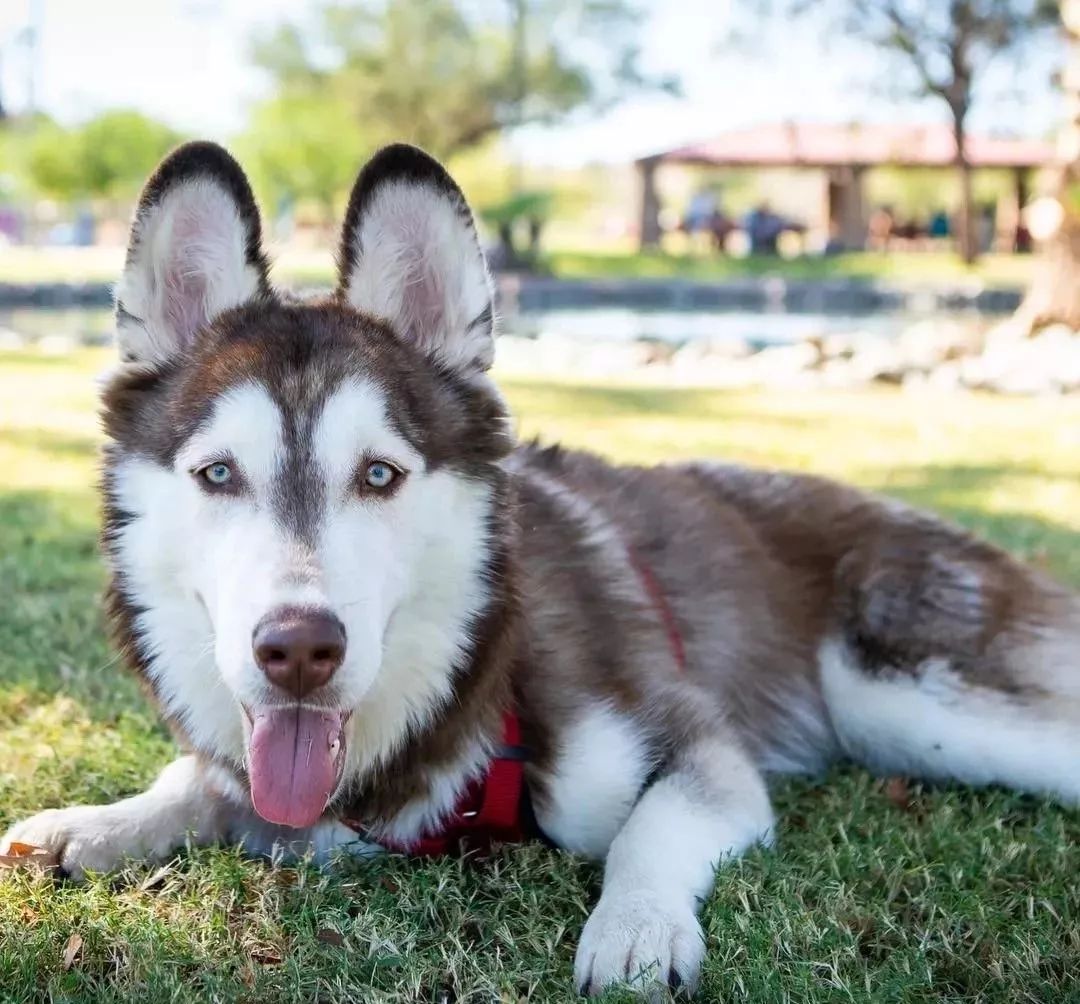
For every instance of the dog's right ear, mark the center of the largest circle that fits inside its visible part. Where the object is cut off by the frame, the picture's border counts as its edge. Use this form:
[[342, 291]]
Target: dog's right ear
[[194, 252], [409, 254]]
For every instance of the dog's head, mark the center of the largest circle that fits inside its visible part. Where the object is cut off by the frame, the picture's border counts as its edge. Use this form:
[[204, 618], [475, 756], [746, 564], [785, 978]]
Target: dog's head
[[301, 498]]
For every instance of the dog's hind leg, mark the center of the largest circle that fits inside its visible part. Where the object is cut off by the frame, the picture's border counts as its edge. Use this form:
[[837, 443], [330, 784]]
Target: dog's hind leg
[[949, 660]]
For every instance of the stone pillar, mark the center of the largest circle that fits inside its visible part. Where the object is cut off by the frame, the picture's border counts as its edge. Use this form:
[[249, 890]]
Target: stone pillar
[[1020, 187], [649, 233], [855, 215], [846, 206]]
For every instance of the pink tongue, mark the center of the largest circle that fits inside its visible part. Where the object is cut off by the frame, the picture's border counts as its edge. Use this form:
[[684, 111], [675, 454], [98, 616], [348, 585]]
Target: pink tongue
[[292, 763]]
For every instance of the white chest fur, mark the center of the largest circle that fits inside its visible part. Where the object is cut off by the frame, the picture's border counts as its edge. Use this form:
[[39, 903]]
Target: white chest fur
[[602, 762]]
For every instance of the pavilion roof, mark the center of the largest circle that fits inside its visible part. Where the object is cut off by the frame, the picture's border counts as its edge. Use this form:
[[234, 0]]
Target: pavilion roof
[[802, 144]]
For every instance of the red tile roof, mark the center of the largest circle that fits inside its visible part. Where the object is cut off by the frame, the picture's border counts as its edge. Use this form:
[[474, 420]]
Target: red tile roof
[[821, 145]]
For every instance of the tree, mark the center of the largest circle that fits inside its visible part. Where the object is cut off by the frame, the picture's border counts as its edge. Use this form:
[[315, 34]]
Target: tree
[[444, 74], [941, 48], [119, 148], [52, 163], [1054, 296], [300, 146], [108, 157]]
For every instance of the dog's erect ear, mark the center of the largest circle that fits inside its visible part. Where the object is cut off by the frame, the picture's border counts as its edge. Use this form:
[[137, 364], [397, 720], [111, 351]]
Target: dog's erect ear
[[409, 254], [194, 252]]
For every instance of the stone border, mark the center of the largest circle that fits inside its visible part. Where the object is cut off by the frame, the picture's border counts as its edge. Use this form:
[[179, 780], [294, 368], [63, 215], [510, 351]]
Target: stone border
[[530, 293], [826, 296], [55, 295]]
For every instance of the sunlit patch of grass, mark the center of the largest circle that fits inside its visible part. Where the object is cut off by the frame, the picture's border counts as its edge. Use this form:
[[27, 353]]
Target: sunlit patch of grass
[[931, 267], [958, 895], [316, 267]]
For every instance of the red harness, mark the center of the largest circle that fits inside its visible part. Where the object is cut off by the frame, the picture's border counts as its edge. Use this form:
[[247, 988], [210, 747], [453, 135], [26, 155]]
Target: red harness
[[493, 806]]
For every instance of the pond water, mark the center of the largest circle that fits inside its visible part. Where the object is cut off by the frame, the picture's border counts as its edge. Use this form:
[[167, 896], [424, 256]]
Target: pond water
[[56, 328]]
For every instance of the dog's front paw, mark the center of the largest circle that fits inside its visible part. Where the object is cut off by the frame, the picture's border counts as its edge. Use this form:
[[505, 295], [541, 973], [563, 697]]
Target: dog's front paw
[[80, 838], [641, 939]]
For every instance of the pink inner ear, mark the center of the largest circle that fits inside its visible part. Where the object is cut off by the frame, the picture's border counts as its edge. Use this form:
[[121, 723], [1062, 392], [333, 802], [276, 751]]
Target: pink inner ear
[[424, 302], [185, 298], [197, 245]]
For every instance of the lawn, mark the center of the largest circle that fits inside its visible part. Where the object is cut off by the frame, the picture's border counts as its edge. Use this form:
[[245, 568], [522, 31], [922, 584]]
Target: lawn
[[315, 268], [899, 267], [873, 894]]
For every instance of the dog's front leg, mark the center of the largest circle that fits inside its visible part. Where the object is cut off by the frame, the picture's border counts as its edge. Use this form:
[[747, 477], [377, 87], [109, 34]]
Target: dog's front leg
[[187, 798], [709, 805]]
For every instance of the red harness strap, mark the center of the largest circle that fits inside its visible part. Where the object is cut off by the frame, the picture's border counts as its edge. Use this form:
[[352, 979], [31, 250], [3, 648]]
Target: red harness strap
[[491, 807], [663, 608]]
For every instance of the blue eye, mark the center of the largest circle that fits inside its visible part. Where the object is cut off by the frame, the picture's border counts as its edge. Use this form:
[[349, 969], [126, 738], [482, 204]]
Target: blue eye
[[379, 475], [218, 474]]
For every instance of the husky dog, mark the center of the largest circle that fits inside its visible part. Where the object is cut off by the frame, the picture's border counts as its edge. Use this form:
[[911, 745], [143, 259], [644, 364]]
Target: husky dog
[[337, 573]]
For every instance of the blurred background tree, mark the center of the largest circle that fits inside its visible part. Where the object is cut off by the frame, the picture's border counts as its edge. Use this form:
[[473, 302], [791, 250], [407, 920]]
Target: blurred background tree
[[108, 157], [1054, 294], [447, 75], [941, 49]]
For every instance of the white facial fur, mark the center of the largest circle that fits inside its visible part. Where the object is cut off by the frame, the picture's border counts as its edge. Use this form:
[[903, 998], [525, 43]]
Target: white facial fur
[[404, 573]]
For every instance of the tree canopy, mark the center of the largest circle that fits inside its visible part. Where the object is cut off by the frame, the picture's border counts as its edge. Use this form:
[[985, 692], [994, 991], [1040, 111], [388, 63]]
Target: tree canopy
[[109, 156], [937, 49], [444, 74]]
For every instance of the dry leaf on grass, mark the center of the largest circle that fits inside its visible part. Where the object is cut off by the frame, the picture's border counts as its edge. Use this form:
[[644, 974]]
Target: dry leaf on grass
[[21, 850], [267, 956], [71, 950], [330, 937], [898, 792], [156, 878], [28, 856]]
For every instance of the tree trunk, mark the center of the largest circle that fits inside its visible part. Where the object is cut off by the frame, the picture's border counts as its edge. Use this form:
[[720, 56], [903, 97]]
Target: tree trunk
[[965, 222], [1054, 296]]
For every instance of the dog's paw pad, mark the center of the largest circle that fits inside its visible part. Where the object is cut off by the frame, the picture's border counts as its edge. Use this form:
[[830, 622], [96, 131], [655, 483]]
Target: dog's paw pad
[[641, 940]]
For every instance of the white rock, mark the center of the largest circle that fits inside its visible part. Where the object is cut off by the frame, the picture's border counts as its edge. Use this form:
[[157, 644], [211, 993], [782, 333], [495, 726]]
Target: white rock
[[879, 359], [783, 360], [926, 344], [697, 350], [57, 345], [840, 374], [947, 376], [10, 339]]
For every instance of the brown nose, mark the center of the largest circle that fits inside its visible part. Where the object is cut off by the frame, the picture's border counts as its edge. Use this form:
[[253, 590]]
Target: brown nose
[[299, 650]]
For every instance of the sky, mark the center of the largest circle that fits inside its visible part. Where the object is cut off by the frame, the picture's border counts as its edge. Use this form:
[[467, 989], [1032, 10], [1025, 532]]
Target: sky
[[186, 61]]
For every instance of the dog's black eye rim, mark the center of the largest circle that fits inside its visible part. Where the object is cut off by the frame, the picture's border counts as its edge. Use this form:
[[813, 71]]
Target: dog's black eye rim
[[363, 472], [219, 476]]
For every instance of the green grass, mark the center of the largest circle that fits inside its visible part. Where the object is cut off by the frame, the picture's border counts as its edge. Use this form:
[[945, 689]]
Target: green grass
[[929, 267], [315, 268], [961, 896]]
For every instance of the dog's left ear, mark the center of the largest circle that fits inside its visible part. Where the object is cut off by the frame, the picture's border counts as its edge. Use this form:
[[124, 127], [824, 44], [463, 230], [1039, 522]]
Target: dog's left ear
[[409, 254], [195, 252]]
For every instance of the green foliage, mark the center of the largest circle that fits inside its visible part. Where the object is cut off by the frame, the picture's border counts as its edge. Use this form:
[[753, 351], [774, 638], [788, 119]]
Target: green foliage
[[444, 74], [14, 154], [52, 163], [108, 157], [118, 150], [521, 206], [297, 148]]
